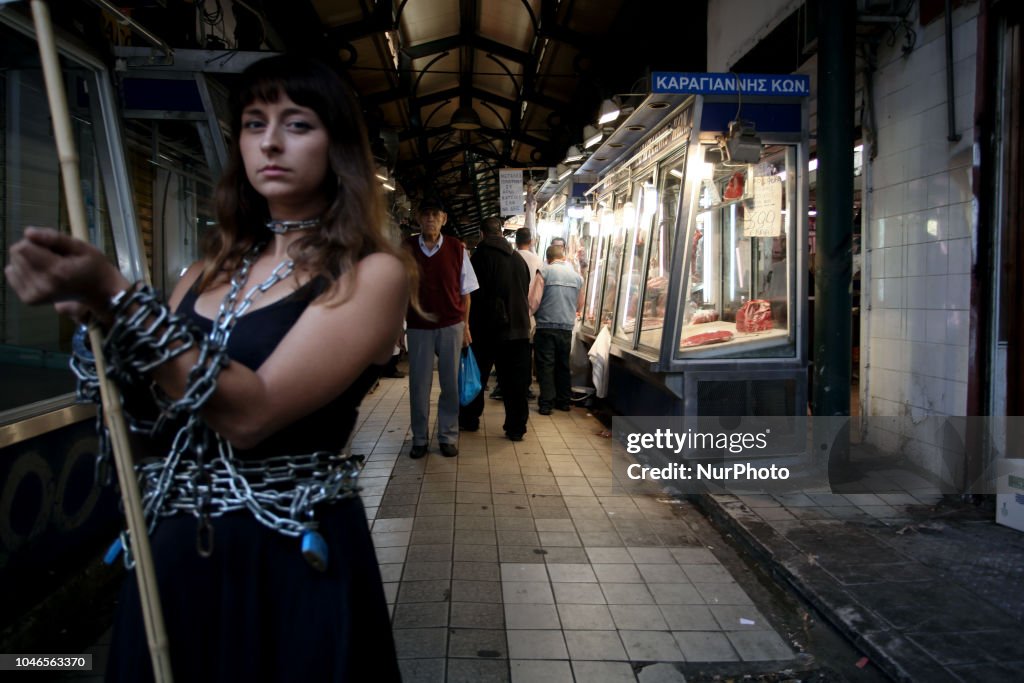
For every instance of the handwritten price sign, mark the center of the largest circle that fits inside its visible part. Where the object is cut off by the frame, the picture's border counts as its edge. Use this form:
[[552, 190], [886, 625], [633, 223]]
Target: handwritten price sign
[[765, 218], [511, 191]]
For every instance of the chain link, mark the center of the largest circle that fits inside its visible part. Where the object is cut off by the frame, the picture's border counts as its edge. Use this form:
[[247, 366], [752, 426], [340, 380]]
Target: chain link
[[280, 492], [144, 334]]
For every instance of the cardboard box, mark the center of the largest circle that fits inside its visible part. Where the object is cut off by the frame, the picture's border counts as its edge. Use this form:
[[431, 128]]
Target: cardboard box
[[1010, 506]]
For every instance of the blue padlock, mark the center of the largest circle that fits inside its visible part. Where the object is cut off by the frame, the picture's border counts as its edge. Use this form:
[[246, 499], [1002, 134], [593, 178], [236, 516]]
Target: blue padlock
[[113, 552], [314, 549]]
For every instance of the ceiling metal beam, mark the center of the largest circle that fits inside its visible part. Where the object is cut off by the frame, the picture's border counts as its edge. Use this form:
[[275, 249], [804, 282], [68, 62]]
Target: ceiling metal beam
[[432, 47], [347, 33], [529, 94], [531, 140], [501, 50], [545, 26], [487, 96], [565, 35], [472, 40]]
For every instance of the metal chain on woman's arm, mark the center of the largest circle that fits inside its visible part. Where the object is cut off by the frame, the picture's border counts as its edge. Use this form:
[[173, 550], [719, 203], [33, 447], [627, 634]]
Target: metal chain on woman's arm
[[144, 334], [281, 492]]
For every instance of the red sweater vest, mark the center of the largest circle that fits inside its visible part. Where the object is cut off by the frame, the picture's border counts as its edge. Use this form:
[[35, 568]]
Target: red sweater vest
[[440, 285]]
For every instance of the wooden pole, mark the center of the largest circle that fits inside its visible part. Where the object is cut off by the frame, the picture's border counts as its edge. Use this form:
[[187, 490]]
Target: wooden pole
[[145, 572]]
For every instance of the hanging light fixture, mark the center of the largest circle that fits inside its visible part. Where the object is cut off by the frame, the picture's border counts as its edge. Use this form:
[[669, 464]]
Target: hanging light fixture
[[563, 171], [609, 111], [572, 155], [591, 136], [385, 178], [465, 118], [464, 189]]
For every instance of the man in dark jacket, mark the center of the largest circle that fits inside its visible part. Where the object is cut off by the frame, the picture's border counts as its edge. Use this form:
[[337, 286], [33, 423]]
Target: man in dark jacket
[[499, 321]]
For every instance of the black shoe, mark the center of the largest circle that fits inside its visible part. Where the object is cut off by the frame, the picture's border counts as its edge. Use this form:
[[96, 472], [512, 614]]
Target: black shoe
[[514, 436], [530, 394], [497, 394], [544, 411], [469, 427], [449, 450], [417, 452], [397, 374], [564, 408]]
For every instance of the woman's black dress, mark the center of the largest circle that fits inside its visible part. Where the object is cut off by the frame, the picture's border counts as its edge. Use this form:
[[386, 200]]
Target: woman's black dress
[[255, 610]]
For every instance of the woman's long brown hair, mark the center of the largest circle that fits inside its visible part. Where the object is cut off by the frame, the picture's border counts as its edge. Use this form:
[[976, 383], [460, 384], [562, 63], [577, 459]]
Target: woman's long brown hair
[[353, 225]]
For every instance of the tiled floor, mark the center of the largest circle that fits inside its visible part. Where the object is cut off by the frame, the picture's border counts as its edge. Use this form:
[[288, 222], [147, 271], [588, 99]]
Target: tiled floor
[[523, 562]]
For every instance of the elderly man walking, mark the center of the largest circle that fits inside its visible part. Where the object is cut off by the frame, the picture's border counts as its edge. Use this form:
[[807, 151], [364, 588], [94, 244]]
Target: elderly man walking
[[556, 297], [446, 281]]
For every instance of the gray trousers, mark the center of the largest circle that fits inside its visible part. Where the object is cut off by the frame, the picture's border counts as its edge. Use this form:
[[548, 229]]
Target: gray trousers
[[446, 344]]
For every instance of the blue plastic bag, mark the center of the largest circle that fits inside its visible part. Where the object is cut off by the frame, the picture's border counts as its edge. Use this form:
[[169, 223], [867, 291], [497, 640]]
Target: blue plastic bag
[[469, 377]]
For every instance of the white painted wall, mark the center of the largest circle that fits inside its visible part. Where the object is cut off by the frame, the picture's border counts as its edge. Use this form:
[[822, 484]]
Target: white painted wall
[[918, 222], [735, 26], [917, 240]]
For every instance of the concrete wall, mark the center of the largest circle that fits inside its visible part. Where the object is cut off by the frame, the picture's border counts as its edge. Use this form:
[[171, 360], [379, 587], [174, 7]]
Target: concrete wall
[[917, 240]]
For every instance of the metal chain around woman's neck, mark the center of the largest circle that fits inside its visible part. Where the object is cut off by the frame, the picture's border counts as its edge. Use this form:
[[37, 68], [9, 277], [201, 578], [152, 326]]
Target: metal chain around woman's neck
[[285, 227], [230, 308]]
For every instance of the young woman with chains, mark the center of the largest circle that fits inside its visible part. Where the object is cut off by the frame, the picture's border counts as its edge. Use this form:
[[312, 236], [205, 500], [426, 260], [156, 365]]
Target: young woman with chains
[[263, 556]]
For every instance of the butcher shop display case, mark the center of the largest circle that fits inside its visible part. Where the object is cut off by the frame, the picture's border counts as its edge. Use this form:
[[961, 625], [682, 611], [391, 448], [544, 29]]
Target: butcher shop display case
[[697, 245], [739, 283]]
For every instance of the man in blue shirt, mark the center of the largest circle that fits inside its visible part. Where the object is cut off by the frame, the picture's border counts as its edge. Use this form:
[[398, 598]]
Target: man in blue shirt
[[556, 298]]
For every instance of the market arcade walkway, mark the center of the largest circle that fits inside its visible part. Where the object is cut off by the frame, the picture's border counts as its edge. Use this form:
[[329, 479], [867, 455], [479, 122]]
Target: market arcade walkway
[[518, 561]]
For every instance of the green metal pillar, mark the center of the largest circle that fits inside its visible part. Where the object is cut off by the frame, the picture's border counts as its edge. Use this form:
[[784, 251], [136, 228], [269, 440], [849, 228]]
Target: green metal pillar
[[834, 198]]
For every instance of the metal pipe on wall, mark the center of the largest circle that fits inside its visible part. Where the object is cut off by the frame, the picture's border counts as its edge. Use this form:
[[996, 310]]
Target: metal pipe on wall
[[135, 26], [833, 267], [952, 135]]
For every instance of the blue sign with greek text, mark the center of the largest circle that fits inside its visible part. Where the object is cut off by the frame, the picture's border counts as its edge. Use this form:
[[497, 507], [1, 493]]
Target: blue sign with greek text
[[686, 83]]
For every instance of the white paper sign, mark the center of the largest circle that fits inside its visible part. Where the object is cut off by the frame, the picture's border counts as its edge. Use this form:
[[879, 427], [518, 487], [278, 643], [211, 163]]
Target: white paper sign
[[765, 218], [510, 181]]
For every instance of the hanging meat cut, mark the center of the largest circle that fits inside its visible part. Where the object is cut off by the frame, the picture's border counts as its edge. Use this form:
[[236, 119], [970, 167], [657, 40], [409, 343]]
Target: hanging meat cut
[[754, 316]]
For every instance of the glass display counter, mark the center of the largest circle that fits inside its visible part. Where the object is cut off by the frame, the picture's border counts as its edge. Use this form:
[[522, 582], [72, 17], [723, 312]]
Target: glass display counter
[[659, 255], [738, 267], [697, 258]]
